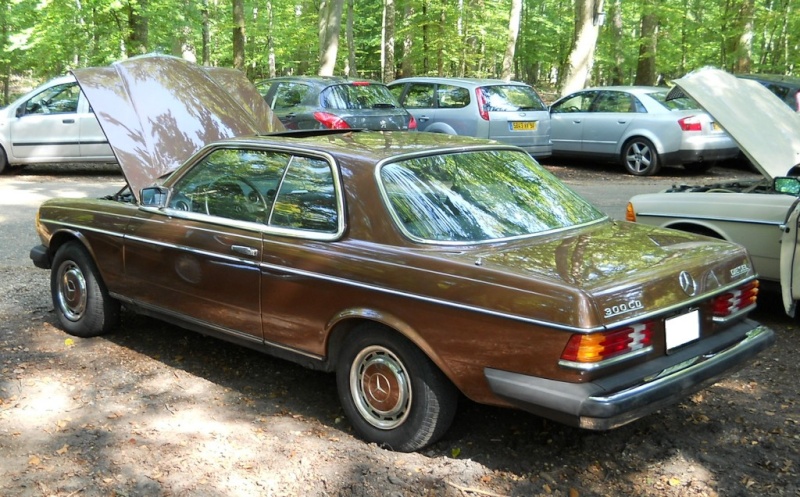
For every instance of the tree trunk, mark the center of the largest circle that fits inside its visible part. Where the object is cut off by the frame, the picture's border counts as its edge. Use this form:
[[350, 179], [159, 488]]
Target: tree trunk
[[617, 75], [238, 34], [387, 64], [581, 56], [330, 27], [513, 33], [137, 25], [271, 40], [740, 42], [406, 67], [206, 35], [648, 44], [352, 70]]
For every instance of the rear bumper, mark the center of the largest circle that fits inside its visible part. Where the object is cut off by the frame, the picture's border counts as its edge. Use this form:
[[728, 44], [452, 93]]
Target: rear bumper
[[604, 404], [703, 155]]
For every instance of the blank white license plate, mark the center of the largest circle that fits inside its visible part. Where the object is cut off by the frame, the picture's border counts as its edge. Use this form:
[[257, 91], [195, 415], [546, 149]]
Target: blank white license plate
[[682, 329]]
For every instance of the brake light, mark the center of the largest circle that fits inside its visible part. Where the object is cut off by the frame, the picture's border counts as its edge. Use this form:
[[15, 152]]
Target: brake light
[[360, 83], [481, 101], [734, 302], [630, 214], [412, 123], [331, 121], [691, 123], [595, 348]]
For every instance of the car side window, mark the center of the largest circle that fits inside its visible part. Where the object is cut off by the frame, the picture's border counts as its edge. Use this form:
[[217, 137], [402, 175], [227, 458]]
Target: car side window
[[60, 99], [578, 102], [452, 97], [288, 95], [419, 96], [306, 199], [614, 101], [236, 184]]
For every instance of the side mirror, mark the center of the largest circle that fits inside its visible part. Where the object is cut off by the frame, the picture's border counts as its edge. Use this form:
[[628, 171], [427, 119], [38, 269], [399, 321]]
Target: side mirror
[[154, 196], [787, 184], [20, 111]]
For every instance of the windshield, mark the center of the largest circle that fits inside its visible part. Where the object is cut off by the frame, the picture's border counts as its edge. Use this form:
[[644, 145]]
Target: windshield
[[479, 196]]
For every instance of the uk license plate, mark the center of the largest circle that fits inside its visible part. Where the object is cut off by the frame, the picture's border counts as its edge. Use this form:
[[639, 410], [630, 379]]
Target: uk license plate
[[523, 125], [682, 329]]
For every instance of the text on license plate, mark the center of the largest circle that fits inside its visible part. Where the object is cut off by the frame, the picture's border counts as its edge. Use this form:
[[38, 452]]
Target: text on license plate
[[523, 125], [682, 329]]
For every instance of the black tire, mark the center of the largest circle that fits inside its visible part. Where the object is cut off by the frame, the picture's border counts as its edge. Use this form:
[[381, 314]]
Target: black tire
[[415, 402], [80, 298], [640, 158], [3, 161]]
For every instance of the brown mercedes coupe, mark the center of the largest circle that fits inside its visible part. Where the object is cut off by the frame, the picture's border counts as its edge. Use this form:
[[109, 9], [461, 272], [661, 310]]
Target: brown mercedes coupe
[[413, 265]]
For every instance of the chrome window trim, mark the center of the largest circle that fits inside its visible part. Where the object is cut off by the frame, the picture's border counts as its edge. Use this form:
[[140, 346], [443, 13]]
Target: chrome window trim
[[446, 243], [263, 228]]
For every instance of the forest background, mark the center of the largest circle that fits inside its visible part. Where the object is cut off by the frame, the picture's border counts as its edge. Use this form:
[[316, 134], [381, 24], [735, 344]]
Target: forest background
[[556, 45]]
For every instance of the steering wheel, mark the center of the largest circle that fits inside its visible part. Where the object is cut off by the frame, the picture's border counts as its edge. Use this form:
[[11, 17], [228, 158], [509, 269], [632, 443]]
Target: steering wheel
[[229, 191]]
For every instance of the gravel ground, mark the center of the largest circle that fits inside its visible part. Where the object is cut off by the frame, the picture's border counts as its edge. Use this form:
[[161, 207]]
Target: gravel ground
[[156, 410]]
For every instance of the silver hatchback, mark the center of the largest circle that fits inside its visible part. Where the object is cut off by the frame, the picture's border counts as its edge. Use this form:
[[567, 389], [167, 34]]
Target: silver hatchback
[[509, 112]]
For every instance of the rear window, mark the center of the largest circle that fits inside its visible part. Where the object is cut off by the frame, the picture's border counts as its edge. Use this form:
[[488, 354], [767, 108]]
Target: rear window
[[479, 196], [509, 98], [682, 103], [358, 96]]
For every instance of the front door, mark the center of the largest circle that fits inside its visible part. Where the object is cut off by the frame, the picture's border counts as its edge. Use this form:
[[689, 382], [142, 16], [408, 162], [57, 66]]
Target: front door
[[790, 259], [199, 258]]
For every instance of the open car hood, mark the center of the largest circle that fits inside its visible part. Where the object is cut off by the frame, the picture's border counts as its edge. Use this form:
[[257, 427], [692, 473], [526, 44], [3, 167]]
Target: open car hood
[[766, 129], [157, 110]]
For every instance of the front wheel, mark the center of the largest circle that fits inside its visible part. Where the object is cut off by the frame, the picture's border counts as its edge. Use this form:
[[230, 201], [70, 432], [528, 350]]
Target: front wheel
[[640, 158], [3, 161], [391, 392], [82, 303]]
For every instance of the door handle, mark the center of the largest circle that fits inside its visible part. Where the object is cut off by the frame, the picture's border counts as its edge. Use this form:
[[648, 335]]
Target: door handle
[[68, 121], [244, 250], [424, 118]]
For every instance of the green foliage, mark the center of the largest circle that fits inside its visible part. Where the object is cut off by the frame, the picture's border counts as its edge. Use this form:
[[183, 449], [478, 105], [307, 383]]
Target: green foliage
[[42, 38]]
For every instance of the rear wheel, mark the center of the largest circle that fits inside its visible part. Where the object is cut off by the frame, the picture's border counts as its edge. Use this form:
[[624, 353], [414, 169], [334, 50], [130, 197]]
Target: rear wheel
[[391, 392], [640, 158], [80, 298]]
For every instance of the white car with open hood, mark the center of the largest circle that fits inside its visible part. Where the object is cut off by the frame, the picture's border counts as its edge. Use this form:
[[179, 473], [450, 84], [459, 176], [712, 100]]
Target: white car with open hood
[[761, 215]]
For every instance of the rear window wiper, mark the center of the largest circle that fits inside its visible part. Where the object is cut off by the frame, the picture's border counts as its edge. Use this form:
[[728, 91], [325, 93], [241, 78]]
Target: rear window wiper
[[384, 106]]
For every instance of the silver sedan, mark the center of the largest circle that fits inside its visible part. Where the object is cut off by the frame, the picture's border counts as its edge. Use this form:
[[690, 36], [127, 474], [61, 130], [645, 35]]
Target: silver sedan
[[638, 127]]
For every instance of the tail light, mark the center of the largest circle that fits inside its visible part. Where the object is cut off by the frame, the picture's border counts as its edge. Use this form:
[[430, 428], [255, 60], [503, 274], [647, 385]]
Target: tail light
[[735, 302], [481, 101], [630, 214], [593, 350], [691, 123], [412, 123], [331, 121]]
